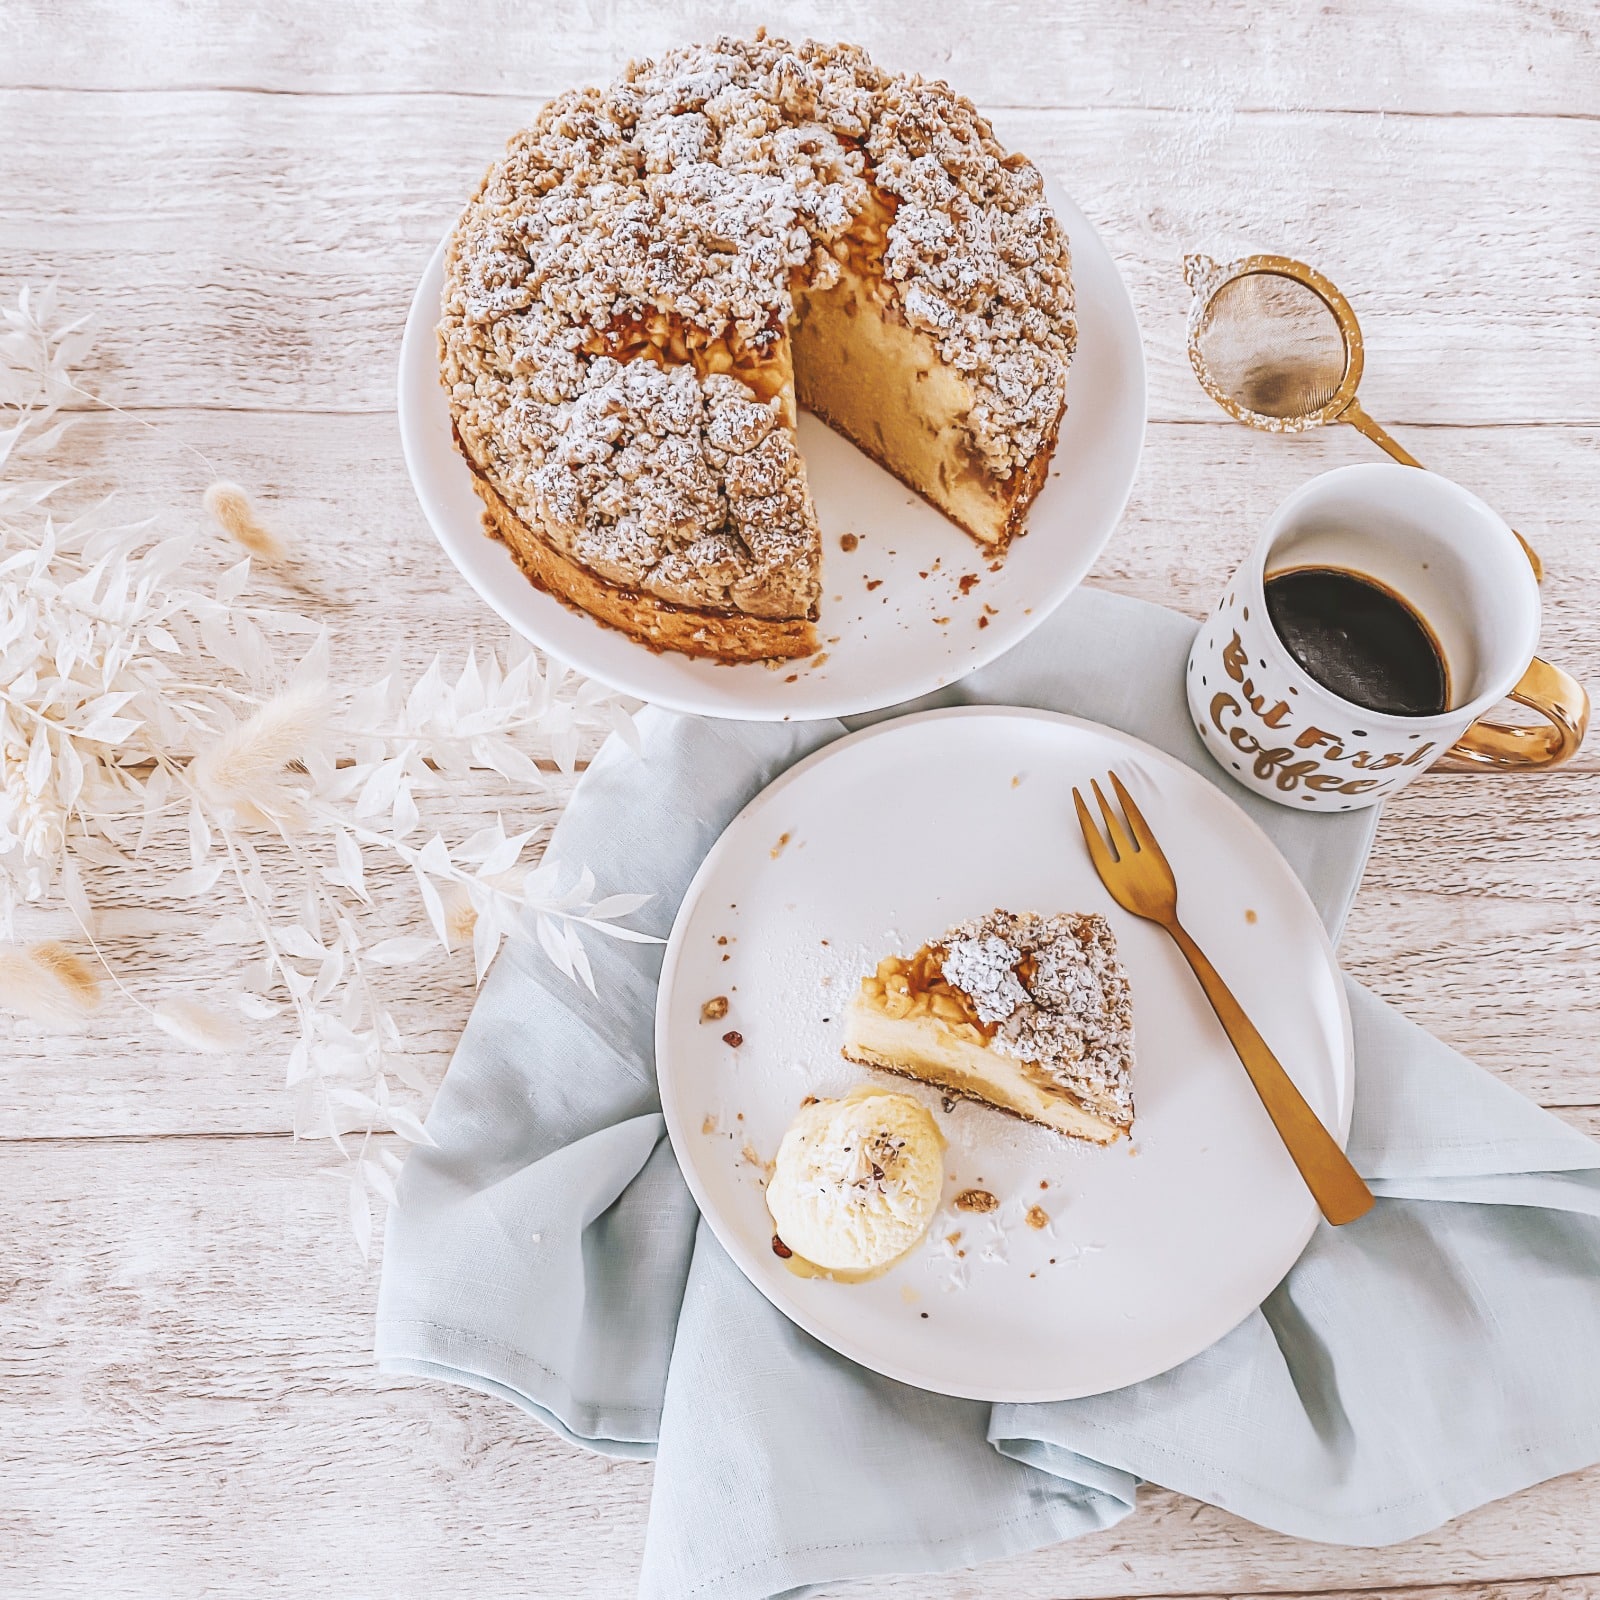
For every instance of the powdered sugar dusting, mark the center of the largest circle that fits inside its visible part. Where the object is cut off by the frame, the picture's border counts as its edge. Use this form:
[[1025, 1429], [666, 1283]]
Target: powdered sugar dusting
[[984, 969]]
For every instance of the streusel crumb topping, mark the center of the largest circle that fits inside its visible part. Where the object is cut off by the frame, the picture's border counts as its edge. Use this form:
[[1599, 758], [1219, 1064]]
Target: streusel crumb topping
[[1055, 990], [702, 188]]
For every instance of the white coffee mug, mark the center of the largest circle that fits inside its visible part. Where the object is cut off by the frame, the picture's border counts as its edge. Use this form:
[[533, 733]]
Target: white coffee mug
[[1460, 568]]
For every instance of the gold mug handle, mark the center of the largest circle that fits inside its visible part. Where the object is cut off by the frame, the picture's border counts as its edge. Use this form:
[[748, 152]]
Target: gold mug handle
[[1497, 747]]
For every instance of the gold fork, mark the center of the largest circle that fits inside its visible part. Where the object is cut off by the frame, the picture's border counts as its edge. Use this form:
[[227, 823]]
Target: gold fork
[[1141, 881]]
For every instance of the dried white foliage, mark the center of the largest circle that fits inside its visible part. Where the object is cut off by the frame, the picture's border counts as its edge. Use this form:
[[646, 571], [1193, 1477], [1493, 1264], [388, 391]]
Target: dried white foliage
[[255, 773], [135, 697]]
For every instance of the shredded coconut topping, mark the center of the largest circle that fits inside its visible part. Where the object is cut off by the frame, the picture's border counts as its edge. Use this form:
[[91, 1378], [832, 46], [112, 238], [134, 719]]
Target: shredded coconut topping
[[849, 1175], [704, 187], [1056, 990]]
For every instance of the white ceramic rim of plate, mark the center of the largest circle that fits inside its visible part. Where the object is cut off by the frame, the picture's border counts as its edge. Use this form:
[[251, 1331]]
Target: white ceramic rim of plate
[[680, 1133], [439, 478]]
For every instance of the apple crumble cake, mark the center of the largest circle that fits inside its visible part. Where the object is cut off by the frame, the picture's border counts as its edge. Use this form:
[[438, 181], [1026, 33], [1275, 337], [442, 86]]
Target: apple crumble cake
[[1026, 1013], [656, 274]]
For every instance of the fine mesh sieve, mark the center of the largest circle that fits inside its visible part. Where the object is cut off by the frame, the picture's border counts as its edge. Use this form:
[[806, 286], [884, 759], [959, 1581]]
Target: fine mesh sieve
[[1273, 344]]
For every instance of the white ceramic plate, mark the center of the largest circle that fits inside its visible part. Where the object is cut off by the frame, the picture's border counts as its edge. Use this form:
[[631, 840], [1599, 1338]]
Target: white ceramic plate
[[883, 645], [879, 842]]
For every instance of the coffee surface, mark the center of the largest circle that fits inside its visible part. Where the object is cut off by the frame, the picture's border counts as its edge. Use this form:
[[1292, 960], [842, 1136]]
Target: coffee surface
[[1360, 640]]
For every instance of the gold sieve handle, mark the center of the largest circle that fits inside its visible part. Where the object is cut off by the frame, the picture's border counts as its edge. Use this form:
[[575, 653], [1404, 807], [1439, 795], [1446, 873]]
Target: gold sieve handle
[[1380, 436], [1496, 747]]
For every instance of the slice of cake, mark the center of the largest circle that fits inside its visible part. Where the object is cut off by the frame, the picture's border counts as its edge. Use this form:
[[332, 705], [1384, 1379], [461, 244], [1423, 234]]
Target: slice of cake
[[1029, 1014]]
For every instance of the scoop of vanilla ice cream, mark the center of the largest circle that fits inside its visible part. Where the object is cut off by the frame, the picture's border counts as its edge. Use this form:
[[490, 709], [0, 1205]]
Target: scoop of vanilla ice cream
[[857, 1180]]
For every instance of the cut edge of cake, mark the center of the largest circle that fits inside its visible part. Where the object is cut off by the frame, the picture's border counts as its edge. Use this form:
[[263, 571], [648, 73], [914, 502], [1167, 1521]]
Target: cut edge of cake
[[898, 402]]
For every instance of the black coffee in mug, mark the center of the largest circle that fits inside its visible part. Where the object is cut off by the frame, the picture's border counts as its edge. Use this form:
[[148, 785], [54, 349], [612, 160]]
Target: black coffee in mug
[[1359, 640]]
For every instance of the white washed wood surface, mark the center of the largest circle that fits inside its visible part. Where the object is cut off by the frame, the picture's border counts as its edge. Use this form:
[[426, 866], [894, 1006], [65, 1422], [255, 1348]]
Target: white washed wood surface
[[244, 196]]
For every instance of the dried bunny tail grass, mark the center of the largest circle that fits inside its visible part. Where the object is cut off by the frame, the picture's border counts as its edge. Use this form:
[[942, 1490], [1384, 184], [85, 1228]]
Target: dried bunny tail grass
[[199, 1027], [248, 771], [48, 983], [235, 513]]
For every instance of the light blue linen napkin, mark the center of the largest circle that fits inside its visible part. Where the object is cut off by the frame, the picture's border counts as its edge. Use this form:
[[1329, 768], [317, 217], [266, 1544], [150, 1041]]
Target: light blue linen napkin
[[1435, 1355]]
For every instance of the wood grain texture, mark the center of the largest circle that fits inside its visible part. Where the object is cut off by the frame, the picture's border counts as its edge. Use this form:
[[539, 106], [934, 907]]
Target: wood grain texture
[[191, 1409], [244, 198], [1488, 56], [261, 250]]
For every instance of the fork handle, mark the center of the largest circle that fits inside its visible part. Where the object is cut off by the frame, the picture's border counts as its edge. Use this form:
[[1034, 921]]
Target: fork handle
[[1333, 1182]]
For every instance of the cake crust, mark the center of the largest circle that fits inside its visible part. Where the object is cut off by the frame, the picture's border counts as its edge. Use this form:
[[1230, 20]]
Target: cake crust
[[1090, 1129]]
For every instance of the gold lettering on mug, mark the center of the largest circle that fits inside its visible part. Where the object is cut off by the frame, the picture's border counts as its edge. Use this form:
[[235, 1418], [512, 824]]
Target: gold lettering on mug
[[1276, 764]]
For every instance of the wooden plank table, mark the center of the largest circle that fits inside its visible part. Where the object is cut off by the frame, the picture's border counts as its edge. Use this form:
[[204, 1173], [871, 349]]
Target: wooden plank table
[[244, 198]]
